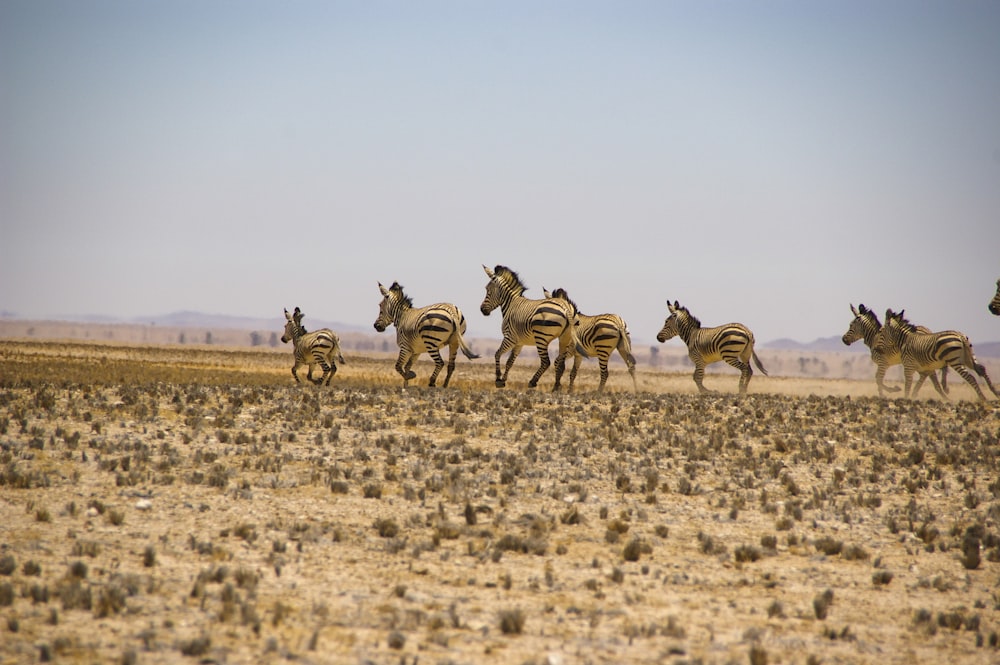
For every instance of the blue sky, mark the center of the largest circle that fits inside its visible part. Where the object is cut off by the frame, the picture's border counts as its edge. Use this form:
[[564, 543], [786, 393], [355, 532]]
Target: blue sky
[[766, 162]]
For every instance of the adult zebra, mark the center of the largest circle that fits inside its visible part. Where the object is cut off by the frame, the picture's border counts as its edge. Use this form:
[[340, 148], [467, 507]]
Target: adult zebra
[[994, 305], [527, 321], [732, 343], [422, 330], [884, 353], [320, 347], [599, 335], [924, 353]]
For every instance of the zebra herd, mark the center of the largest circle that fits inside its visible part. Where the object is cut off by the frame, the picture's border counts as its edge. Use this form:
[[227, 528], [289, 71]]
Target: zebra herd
[[556, 317]]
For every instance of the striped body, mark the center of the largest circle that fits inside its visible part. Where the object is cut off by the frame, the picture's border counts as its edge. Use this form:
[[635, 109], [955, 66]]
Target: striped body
[[923, 353], [320, 347], [600, 335], [994, 305], [732, 343], [527, 321], [884, 353], [422, 330]]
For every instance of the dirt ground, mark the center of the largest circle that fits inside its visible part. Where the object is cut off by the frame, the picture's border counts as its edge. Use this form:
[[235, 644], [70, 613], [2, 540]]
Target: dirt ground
[[167, 504]]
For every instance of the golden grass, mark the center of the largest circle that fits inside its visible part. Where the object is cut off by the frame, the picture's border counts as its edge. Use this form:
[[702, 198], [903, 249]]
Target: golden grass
[[170, 504]]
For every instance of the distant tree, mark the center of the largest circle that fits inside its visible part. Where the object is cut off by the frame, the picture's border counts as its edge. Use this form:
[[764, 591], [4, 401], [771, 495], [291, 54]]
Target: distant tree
[[181, 339], [274, 339], [385, 345], [654, 355], [208, 337], [256, 339]]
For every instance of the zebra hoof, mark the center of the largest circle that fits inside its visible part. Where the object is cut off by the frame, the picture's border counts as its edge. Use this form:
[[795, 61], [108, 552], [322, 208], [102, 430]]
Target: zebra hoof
[[501, 383], [411, 375]]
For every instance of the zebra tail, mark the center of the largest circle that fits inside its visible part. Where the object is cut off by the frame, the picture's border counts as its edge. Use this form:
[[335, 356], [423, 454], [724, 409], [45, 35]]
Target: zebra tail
[[756, 361], [465, 348]]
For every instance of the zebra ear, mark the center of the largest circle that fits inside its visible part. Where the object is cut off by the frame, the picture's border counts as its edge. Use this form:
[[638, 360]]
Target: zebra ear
[[489, 273], [546, 292], [382, 289]]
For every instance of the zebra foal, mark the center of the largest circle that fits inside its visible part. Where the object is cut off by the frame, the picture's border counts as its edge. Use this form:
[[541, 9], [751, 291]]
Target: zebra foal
[[924, 353], [994, 305], [312, 348], [528, 321], [884, 353], [732, 343], [599, 335], [422, 330]]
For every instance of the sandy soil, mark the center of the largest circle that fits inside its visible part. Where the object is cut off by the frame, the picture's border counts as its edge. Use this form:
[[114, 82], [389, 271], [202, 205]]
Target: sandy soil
[[192, 504]]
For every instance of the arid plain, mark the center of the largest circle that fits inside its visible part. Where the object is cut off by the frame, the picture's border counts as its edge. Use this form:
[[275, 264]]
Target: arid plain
[[177, 503]]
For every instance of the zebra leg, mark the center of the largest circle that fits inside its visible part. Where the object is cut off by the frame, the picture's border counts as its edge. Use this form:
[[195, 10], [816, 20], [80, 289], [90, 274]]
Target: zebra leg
[[435, 355], [514, 350], [745, 372], [937, 385], [964, 373], [453, 349], [981, 371], [327, 372], [880, 381], [560, 367], [572, 372], [699, 376], [944, 379], [603, 363], [403, 363], [543, 356], [907, 381]]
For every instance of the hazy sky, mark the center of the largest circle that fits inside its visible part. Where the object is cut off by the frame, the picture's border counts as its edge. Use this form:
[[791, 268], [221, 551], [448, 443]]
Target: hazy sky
[[763, 162]]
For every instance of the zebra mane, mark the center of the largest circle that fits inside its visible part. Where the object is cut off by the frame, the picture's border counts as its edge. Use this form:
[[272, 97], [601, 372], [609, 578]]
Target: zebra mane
[[901, 319], [511, 277], [398, 288], [561, 293], [691, 317], [867, 313]]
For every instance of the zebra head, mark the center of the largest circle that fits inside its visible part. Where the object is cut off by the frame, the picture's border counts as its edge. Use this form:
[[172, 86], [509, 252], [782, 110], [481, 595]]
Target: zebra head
[[865, 325], [677, 321], [994, 306], [394, 301], [897, 327], [504, 284], [293, 325]]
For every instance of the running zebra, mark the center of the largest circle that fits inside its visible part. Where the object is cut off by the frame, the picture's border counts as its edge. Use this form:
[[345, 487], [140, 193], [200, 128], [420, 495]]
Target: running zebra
[[422, 330], [924, 353], [527, 321], [732, 343], [994, 305], [866, 326], [312, 348], [599, 335]]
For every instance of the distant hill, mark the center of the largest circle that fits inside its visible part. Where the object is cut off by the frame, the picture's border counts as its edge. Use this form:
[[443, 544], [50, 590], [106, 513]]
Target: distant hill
[[189, 319], [822, 344]]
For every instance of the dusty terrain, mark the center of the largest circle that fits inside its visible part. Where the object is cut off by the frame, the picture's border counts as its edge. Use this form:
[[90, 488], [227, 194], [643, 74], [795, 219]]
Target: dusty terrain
[[192, 504]]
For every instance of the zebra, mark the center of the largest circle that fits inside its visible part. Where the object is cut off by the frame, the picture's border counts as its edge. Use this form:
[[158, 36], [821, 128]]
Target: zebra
[[866, 326], [600, 335], [994, 305], [422, 330], [925, 352], [312, 348], [527, 321], [732, 343]]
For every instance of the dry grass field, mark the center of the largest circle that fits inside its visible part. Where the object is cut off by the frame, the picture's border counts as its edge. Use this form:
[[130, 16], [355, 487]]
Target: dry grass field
[[167, 504]]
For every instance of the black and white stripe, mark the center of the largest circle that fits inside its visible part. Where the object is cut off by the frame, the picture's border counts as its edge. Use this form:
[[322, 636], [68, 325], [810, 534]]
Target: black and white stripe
[[599, 335], [732, 343], [527, 321], [320, 347], [865, 325], [994, 305], [422, 330], [924, 353]]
